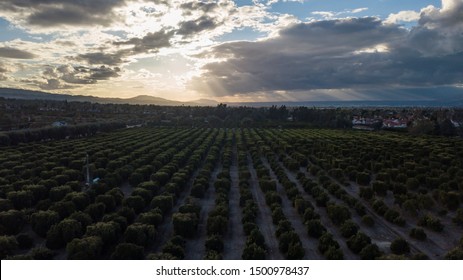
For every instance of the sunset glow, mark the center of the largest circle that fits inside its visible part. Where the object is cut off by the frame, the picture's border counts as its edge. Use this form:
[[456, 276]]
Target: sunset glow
[[230, 50]]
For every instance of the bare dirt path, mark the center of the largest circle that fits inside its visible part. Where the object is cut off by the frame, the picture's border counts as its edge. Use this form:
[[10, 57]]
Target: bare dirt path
[[325, 220], [309, 244], [235, 238], [379, 234], [428, 247], [195, 247], [165, 230], [264, 219]]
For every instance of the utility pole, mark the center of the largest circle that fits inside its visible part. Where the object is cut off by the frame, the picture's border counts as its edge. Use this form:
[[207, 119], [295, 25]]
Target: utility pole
[[87, 175]]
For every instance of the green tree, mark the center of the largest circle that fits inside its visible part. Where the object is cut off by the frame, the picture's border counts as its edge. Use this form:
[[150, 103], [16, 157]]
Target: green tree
[[326, 242], [11, 222], [368, 220], [96, 211], [128, 251], [214, 242], [153, 217], [41, 253], [108, 232], [108, 200], [334, 253], [357, 242], [185, 224], [163, 202], [140, 234], [7, 245], [42, 221], [87, 248], [295, 251], [58, 193], [370, 252], [62, 233], [253, 252], [338, 213], [63, 208], [454, 254], [315, 228], [174, 249], [136, 202], [83, 218], [400, 246], [349, 228], [418, 233], [20, 199]]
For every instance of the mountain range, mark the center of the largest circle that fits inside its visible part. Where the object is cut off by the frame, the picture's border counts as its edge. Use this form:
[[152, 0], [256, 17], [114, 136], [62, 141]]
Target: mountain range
[[11, 93], [442, 97]]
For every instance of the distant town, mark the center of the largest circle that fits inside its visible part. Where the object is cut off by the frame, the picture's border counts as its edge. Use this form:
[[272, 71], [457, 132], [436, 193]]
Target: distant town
[[16, 114]]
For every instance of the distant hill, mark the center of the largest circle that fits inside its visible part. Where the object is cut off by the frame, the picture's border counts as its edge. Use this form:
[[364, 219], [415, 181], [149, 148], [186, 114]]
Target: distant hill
[[140, 100], [356, 104], [429, 97]]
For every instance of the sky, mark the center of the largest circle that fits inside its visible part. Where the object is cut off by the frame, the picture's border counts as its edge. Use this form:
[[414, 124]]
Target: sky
[[233, 51]]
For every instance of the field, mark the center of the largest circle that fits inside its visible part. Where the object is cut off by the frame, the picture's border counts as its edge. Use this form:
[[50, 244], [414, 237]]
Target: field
[[209, 193]]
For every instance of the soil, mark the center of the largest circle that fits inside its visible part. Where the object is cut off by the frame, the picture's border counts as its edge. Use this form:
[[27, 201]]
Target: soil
[[195, 248], [264, 219], [309, 244], [235, 237]]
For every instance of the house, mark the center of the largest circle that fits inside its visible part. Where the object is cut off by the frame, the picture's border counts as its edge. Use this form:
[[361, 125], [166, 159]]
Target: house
[[363, 123], [395, 123], [455, 124], [134, 126], [59, 124]]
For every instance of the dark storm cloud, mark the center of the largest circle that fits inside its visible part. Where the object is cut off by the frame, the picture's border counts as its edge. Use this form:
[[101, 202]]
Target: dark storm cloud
[[67, 76], [151, 42], [15, 53], [102, 58], [354, 53], [86, 75], [48, 13], [53, 84], [104, 73], [191, 27], [339, 35]]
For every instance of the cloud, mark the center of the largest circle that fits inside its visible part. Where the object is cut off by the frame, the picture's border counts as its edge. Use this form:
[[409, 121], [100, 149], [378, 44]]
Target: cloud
[[49, 13], [449, 16], [191, 27], [151, 42], [102, 58], [3, 68], [358, 10], [3, 71], [271, 2], [52, 84], [104, 73], [354, 53], [15, 53], [403, 16], [70, 77], [335, 15], [206, 7]]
